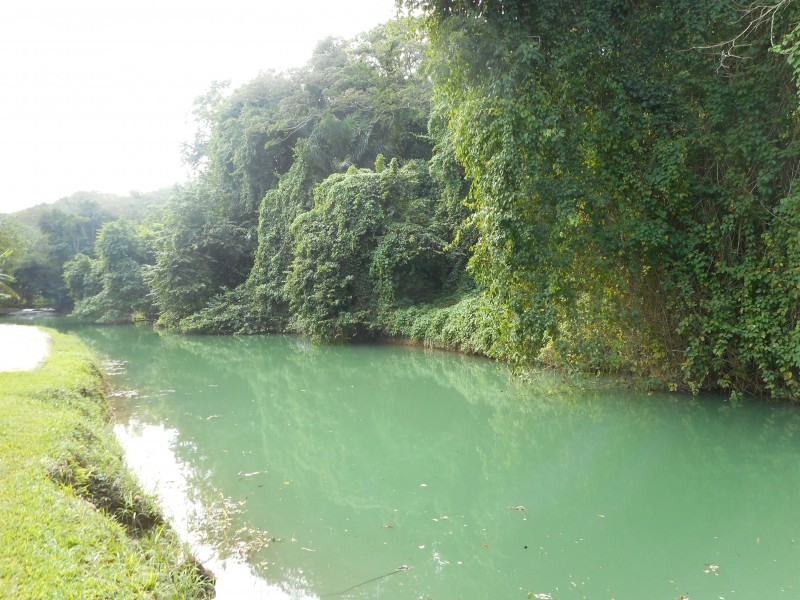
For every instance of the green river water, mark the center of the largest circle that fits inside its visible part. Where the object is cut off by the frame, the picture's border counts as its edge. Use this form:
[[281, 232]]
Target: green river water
[[398, 473]]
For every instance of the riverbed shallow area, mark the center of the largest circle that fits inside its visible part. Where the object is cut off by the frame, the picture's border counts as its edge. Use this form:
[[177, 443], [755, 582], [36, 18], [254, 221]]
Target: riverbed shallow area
[[392, 472]]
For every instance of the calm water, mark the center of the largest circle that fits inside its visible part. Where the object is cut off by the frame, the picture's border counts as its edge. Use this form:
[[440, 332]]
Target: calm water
[[391, 472]]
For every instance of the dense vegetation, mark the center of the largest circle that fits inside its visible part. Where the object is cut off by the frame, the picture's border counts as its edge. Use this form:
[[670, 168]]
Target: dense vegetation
[[45, 237], [75, 522], [633, 168], [628, 170]]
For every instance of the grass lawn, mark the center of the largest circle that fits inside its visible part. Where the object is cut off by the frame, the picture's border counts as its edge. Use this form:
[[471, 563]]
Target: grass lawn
[[73, 521]]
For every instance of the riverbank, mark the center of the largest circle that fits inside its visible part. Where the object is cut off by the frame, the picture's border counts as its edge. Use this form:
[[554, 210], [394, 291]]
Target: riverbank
[[75, 522]]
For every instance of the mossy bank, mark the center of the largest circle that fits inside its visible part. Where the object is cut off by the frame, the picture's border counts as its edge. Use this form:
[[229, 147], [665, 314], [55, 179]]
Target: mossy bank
[[75, 523]]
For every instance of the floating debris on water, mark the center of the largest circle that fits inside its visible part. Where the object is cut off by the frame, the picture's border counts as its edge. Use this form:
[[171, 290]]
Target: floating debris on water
[[711, 568], [517, 508], [242, 474]]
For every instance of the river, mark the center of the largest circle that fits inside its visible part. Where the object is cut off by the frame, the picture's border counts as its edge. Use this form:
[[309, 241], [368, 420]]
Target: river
[[392, 472]]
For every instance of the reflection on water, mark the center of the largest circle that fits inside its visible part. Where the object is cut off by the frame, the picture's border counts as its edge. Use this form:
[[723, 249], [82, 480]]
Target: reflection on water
[[390, 472], [203, 520]]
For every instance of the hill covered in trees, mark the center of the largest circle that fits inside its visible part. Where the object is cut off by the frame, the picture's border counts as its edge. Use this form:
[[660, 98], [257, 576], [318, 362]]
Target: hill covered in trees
[[600, 186], [41, 239]]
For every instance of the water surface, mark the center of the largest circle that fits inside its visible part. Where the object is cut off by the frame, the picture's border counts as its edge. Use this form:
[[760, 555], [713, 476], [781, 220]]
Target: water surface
[[397, 473]]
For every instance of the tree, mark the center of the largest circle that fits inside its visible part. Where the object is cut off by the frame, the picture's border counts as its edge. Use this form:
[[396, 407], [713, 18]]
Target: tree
[[111, 288], [83, 277], [67, 234], [199, 253]]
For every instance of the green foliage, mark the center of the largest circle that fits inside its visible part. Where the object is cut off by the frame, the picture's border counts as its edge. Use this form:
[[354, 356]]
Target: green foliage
[[34, 277], [199, 253], [230, 312], [469, 325], [66, 234], [632, 193], [111, 288], [6, 293], [413, 261], [83, 277], [47, 236], [329, 287], [281, 206], [372, 243]]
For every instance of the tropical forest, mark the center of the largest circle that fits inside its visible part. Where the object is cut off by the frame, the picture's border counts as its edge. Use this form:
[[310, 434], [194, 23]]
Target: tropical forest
[[602, 187]]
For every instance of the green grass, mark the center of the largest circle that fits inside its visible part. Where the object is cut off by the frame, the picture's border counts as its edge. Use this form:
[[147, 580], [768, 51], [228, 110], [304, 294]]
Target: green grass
[[73, 521]]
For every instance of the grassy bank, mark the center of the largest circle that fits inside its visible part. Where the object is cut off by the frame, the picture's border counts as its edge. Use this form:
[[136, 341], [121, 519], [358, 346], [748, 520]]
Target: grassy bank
[[74, 522]]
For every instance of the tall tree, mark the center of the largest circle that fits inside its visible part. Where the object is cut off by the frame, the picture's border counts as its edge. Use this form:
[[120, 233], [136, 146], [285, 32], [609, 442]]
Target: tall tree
[[199, 253]]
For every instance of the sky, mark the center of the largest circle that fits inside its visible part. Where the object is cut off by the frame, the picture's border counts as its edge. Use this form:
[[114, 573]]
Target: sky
[[97, 94]]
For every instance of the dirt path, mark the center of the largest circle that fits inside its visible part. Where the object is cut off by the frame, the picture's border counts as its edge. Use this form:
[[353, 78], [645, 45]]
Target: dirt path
[[22, 347]]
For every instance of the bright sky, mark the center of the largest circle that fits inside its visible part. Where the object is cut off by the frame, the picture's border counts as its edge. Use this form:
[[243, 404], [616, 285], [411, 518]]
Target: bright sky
[[97, 94]]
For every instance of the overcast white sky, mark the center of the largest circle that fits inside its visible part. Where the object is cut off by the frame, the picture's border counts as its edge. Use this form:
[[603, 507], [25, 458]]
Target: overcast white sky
[[97, 94]]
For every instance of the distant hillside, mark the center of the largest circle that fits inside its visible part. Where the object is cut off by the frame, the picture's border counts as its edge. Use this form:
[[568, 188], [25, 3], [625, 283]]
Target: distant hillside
[[135, 206]]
